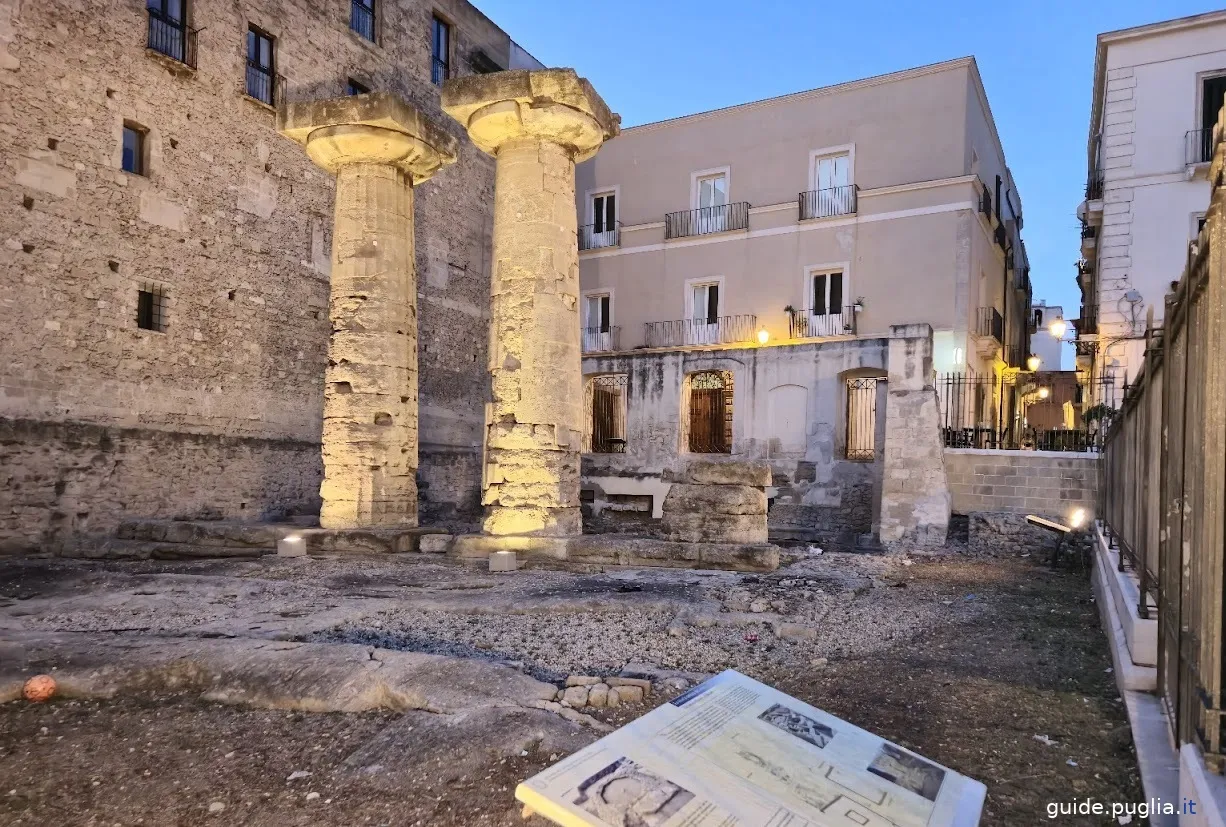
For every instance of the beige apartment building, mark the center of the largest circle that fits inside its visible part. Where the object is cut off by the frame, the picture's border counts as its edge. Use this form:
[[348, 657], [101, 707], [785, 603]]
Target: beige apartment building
[[742, 268], [165, 256], [1156, 93]]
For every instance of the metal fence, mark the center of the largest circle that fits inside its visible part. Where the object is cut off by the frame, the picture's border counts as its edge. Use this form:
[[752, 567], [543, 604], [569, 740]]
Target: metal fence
[[601, 339], [990, 412], [805, 324], [723, 330], [705, 220], [596, 236], [828, 202], [1164, 486]]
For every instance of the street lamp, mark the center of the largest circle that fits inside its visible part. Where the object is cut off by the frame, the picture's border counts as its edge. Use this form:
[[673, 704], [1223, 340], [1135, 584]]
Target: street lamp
[[1033, 362], [763, 336], [1044, 393], [1058, 328]]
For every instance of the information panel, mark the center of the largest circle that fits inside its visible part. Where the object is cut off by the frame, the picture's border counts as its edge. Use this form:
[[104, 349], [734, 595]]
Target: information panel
[[734, 752]]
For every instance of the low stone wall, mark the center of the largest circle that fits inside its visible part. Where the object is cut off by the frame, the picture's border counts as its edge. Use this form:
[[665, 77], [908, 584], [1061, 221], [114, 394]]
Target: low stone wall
[[1047, 483], [59, 480]]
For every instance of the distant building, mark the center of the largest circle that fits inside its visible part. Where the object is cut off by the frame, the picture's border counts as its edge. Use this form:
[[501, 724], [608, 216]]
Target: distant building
[[1157, 90], [1045, 345]]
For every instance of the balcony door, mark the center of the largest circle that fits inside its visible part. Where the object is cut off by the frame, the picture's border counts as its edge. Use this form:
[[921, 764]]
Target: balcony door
[[702, 327], [1213, 91], [604, 220], [826, 307], [712, 197], [166, 27], [596, 331], [831, 181]]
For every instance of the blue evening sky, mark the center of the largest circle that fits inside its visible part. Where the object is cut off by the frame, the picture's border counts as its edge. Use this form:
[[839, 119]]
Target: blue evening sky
[[656, 59]]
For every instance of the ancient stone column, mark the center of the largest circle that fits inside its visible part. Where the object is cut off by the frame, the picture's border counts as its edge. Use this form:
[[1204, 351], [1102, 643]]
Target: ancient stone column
[[537, 124], [379, 148]]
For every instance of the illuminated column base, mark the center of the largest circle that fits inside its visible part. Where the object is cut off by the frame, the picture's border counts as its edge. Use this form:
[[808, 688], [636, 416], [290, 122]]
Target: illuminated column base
[[537, 125]]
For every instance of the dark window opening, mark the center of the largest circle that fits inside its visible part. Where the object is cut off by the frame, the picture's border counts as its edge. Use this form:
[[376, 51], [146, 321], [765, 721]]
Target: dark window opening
[[151, 311], [827, 293], [133, 149], [607, 405], [355, 88], [440, 51], [604, 212], [169, 33], [710, 415], [1213, 96], [362, 18], [260, 69]]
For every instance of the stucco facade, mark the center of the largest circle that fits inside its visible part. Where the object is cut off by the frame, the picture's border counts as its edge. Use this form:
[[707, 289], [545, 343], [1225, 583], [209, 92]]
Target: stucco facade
[[233, 222], [1147, 186]]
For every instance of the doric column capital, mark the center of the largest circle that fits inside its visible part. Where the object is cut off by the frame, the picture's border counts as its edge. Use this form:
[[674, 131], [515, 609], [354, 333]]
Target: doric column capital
[[554, 105], [377, 128]]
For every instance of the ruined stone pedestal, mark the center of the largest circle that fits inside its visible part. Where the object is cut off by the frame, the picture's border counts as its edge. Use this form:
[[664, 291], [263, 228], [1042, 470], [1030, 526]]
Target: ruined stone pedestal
[[718, 502], [537, 125], [379, 148]]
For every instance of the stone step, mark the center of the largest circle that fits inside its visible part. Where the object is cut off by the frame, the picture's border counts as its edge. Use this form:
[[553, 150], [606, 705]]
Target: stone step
[[621, 550]]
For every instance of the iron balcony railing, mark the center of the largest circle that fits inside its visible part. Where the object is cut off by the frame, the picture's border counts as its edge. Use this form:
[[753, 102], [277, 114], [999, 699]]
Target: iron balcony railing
[[828, 202], [601, 339], [985, 201], [991, 323], [1198, 145], [809, 324], [706, 220], [1088, 230], [1002, 238], [1094, 185], [263, 85], [362, 18], [593, 238], [439, 71], [172, 38], [723, 330]]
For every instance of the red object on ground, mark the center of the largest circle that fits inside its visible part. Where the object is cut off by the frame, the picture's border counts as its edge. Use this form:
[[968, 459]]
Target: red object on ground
[[39, 688]]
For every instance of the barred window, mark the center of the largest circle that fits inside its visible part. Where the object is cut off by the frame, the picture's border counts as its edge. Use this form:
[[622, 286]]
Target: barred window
[[151, 307], [862, 419], [606, 414], [709, 398]]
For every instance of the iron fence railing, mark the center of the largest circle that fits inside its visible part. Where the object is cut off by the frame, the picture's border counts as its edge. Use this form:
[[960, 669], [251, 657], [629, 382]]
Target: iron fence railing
[[171, 37], [1163, 489], [362, 18], [1094, 185], [439, 71], [987, 412], [1088, 230], [723, 330], [828, 202], [1198, 146], [264, 85], [807, 324], [601, 339], [991, 324], [594, 237], [704, 220]]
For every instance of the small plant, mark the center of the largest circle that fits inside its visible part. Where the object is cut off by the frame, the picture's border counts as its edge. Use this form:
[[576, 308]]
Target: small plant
[[1101, 413], [789, 309], [859, 304]]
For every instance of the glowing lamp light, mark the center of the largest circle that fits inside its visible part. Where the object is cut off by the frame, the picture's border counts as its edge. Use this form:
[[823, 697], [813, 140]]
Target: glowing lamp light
[[1033, 362], [1058, 328], [1078, 518], [763, 336], [291, 545], [1044, 393]]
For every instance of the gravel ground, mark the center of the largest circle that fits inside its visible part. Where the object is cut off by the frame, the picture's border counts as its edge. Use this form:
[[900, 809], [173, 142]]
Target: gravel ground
[[962, 659]]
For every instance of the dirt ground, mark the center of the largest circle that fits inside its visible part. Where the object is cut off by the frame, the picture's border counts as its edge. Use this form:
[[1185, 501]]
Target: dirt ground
[[964, 660]]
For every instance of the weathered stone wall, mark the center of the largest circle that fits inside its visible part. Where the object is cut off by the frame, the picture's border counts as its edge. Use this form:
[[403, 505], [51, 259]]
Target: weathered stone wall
[[61, 479], [1051, 484], [789, 409], [915, 501], [232, 219]]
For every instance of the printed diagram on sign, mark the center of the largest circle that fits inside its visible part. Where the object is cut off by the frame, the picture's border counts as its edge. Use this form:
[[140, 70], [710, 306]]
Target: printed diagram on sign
[[794, 723], [624, 794]]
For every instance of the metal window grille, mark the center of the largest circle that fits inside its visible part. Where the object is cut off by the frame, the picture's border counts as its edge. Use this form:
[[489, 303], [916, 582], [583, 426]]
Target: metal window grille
[[440, 51], [261, 77], [710, 413], [606, 404], [152, 312], [862, 419], [168, 34]]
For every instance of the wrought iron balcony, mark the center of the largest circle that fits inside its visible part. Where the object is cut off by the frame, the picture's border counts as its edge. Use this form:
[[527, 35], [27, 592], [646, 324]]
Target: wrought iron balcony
[[601, 339], [1002, 238], [810, 324], [439, 71], [828, 202], [362, 18], [1088, 230], [706, 220], [985, 201], [991, 324], [592, 238], [263, 85], [1094, 185], [172, 38], [1198, 146], [723, 330]]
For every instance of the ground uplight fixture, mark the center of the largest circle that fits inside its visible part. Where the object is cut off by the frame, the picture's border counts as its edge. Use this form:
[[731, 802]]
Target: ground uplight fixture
[[1078, 518], [1058, 328], [763, 335], [1033, 362]]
